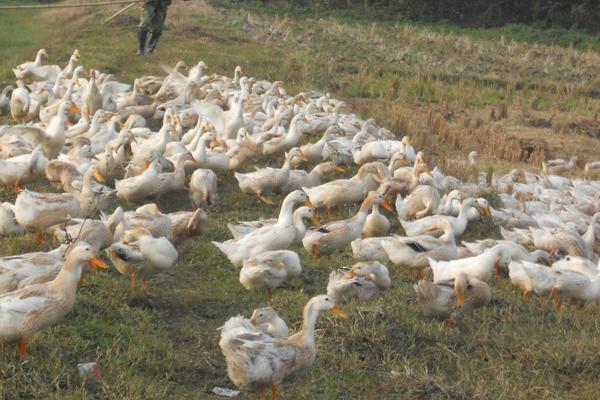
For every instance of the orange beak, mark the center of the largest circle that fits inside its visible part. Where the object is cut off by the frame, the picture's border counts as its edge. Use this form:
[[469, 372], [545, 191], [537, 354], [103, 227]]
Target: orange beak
[[99, 177], [432, 228], [96, 262], [74, 109], [340, 170], [253, 321], [147, 164], [350, 274], [387, 204], [94, 158], [315, 220], [309, 204], [460, 299], [338, 312]]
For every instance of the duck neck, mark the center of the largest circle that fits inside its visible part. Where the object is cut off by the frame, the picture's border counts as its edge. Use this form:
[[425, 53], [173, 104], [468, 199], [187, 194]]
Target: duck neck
[[299, 224], [589, 237], [68, 277], [380, 277], [309, 323], [285, 214], [448, 236]]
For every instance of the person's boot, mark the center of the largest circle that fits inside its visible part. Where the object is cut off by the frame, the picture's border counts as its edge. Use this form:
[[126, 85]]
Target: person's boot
[[153, 42], [142, 34]]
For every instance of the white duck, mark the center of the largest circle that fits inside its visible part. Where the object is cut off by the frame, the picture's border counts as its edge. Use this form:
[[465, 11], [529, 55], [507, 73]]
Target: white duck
[[414, 252], [459, 224], [327, 238], [452, 299], [136, 189], [267, 320], [27, 310], [268, 270], [300, 215], [277, 237], [481, 267], [362, 281], [139, 253], [256, 361], [203, 188]]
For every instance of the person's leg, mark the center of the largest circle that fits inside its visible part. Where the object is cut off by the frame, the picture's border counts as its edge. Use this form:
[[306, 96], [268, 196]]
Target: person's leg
[[157, 26], [145, 25]]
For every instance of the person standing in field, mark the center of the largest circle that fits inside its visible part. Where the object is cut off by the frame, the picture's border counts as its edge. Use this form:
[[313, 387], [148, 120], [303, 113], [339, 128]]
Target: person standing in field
[[152, 20]]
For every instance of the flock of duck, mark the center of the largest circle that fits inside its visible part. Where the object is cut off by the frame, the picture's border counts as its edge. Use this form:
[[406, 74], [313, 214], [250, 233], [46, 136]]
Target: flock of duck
[[100, 144]]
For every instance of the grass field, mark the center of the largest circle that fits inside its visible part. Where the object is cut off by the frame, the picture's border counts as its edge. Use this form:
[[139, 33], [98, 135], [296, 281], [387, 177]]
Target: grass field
[[451, 91]]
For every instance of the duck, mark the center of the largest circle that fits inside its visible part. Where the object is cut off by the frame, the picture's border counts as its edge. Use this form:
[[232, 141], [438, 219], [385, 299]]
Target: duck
[[410, 177], [94, 196], [360, 281], [147, 216], [169, 182], [342, 191], [139, 253], [557, 240], [277, 237], [300, 215], [203, 188], [531, 277], [256, 361], [25, 70], [19, 101], [325, 239], [226, 123], [138, 188], [5, 96], [51, 140], [279, 145], [414, 252], [22, 169], [27, 310], [98, 233], [299, 178], [215, 160], [314, 151], [557, 167], [556, 281], [377, 224], [481, 267], [8, 221], [18, 269], [39, 211], [267, 320], [268, 270], [267, 179], [459, 224], [518, 252], [446, 206], [424, 200], [186, 224], [371, 249], [452, 299]]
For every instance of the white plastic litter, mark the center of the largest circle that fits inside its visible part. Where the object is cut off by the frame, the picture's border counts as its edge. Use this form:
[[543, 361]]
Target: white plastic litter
[[90, 368], [219, 391]]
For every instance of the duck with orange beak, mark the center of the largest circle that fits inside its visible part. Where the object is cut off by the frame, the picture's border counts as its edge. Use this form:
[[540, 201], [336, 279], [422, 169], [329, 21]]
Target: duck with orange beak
[[361, 281], [452, 299], [413, 252], [27, 310], [256, 361]]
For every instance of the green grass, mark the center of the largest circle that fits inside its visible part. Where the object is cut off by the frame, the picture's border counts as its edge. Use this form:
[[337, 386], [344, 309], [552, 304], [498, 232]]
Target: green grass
[[163, 343], [525, 33]]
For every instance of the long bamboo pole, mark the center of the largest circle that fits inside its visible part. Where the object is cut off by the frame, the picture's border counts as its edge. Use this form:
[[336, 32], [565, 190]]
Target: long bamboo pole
[[62, 5], [121, 11]]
